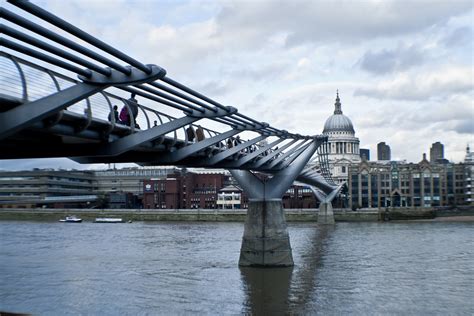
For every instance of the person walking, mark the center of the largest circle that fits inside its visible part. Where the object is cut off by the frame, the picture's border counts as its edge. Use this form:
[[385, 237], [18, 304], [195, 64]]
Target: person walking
[[133, 105], [190, 133], [200, 134], [115, 114]]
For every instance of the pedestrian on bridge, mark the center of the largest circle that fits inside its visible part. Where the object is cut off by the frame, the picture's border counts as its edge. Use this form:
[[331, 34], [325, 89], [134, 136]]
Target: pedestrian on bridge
[[133, 104], [115, 114], [200, 134], [190, 133], [230, 143], [124, 113]]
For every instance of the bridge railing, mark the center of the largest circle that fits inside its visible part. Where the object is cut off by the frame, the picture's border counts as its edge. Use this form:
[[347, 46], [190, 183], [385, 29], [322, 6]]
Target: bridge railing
[[37, 82], [165, 90], [107, 82]]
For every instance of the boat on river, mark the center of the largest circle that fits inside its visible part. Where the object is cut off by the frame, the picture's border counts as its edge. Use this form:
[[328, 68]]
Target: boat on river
[[71, 219], [108, 220]]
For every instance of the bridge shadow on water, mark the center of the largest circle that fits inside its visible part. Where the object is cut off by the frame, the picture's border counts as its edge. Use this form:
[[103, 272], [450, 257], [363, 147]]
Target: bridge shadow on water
[[283, 291]]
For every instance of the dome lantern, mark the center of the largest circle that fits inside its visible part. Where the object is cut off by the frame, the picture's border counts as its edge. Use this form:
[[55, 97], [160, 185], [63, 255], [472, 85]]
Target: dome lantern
[[338, 122], [338, 109]]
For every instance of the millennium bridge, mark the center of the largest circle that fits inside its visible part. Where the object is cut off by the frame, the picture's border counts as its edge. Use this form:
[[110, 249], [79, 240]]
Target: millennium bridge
[[86, 100]]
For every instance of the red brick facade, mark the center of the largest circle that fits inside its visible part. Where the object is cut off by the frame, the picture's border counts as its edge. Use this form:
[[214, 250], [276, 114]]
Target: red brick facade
[[189, 191], [192, 190]]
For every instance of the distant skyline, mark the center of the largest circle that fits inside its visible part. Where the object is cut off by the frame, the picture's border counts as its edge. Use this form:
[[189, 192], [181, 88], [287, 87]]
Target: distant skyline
[[404, 69]]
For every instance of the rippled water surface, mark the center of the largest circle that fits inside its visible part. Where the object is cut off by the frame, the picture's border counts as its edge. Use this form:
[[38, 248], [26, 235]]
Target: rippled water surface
[[191, 268]]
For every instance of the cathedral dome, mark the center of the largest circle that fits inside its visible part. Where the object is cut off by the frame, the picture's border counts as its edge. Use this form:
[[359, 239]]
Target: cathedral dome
[[338, 122]]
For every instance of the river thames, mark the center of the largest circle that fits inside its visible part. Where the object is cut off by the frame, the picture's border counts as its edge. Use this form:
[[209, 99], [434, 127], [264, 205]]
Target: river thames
[[174, 268]]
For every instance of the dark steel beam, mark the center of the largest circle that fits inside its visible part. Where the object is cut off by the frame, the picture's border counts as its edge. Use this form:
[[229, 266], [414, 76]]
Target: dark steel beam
[[132, 141], [273, 154], [180, 154], [66, 26], [49, 59], [294, 151], [234, 150], [21, 21], [52, 49], [245, 159], [26, 114]]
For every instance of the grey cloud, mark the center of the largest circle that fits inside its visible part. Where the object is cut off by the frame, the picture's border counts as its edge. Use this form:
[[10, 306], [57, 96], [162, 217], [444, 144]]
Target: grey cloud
[[459, 37], [256, 102], [439, 85], [388, 61], [441, 117], [260, 72], [214, 88], [411, 93], [465, 126], [313, 21]]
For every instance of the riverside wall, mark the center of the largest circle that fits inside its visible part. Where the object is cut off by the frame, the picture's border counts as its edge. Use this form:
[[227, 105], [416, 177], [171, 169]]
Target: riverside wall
[[292, 215]]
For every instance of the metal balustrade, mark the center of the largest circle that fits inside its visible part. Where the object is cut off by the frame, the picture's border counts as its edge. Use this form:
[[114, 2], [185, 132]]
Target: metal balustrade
[[46, 113]]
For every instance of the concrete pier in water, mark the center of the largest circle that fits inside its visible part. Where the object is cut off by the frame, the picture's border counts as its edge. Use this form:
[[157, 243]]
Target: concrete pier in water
[[266, 241], [326, 214]]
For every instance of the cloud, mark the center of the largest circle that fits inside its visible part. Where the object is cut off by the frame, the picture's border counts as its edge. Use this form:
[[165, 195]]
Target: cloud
[[461, 36], [214, 88], [316, 21], [257, 72], [439, 83], [392, 60], [465, 126]]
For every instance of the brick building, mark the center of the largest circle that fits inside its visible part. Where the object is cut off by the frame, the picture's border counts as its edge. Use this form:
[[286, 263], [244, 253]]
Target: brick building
[[184, 190], [299, 197]]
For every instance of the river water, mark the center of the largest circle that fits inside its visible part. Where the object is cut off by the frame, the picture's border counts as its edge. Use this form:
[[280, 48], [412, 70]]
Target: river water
[[409, 268]]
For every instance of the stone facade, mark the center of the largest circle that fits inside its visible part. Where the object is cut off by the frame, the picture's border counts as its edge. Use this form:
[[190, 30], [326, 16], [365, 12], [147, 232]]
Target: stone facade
[[400, 184]]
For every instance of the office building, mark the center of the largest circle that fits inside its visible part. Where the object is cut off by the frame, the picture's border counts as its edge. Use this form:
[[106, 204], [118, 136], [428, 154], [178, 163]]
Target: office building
[[47, 188], [436, 152], [397, 184], [383, 152], [129, 180], [469, 177], [364, 153]]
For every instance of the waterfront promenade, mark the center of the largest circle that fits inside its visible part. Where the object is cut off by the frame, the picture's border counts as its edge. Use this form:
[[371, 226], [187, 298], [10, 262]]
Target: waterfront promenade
[[292, 215]]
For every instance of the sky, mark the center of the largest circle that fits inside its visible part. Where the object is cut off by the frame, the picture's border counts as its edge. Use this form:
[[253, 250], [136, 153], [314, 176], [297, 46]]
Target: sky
[[404, 69]]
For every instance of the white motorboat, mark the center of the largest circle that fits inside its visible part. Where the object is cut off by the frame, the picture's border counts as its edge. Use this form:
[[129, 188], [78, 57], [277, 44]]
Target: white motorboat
[[71, 219], [108, 220]]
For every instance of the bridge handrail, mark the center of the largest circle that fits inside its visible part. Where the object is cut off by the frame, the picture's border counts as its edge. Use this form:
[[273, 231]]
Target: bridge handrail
[[147, 81], [109, 96], [233, 119], [106, 94]]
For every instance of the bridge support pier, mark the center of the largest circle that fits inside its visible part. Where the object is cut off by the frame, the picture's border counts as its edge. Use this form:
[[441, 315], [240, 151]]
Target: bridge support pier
[[266, 241], [325, 194], [325, 215]]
